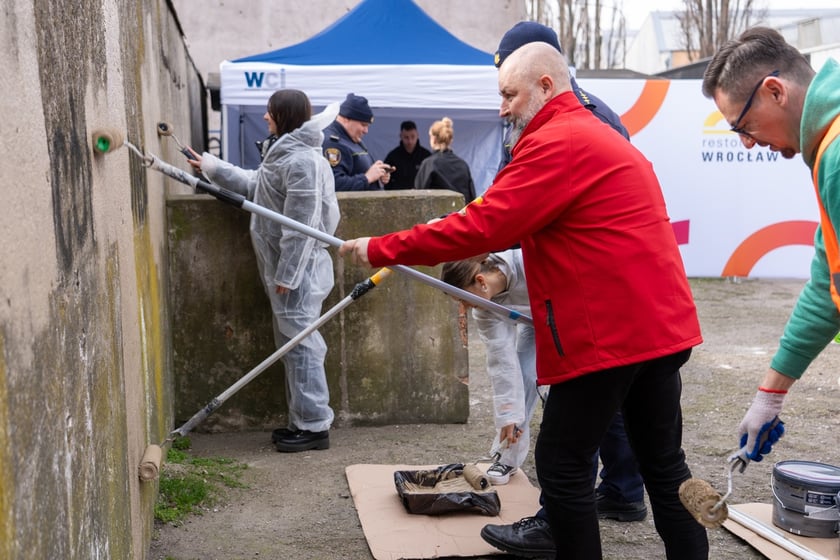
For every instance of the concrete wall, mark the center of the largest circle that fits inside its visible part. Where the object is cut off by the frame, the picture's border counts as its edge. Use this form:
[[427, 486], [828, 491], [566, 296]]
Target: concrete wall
[[394, 355], [85, 357]]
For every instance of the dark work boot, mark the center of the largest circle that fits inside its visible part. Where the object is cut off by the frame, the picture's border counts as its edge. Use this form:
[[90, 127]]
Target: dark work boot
[[530, 537], [280, 433], [618, 510], [303, 440]]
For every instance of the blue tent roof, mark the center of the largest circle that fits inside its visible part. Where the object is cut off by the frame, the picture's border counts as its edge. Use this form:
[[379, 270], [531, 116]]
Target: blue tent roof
[[379, 32]]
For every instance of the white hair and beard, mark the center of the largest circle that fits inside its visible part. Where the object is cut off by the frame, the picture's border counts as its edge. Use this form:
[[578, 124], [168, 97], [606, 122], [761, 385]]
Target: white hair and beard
[[518, 123]]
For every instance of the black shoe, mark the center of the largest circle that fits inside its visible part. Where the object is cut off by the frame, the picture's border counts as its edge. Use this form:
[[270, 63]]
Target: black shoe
[[530, 537], [280, 433], [303, 440], [620, 511]]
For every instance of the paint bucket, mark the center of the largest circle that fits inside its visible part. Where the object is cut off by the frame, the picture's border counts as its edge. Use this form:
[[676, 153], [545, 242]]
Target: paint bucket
[[806, 497]]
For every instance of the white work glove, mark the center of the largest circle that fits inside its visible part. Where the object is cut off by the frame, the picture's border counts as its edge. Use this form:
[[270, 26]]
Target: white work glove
[[761, 427]]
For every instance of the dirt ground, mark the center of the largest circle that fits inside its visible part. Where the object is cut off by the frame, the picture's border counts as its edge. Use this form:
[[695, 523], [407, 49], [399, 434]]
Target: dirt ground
[[298, 506]]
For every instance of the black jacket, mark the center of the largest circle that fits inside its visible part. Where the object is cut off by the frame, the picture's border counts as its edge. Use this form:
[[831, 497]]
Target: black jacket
[[444, 170], [406, 164]]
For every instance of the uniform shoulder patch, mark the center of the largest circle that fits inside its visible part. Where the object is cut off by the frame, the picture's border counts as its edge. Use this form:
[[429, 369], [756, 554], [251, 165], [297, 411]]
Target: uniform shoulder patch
[[333, 156]]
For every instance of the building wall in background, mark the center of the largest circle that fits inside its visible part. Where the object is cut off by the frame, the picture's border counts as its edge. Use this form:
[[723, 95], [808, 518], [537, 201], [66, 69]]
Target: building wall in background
[[230, 29]]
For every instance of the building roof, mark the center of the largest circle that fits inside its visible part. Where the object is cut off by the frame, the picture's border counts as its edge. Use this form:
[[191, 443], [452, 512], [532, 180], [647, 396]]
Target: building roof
[[653, 48]]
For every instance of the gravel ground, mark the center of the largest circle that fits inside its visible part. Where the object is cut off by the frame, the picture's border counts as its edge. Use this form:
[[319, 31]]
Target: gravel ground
[[298, 506]]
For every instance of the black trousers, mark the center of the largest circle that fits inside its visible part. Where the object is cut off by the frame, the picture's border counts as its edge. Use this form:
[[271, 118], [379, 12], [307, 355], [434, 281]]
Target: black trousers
[[576, 416]]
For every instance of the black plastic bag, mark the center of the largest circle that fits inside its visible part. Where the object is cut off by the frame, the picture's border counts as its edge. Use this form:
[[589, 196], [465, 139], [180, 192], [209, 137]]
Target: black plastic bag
[[443, 490]]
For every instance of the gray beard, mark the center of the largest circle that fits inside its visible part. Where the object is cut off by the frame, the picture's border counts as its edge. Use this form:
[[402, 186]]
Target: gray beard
[[518, 124], [515, 132]]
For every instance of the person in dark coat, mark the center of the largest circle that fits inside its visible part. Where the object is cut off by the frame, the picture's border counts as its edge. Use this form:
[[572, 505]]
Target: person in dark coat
[[443, 169], [406, 157]]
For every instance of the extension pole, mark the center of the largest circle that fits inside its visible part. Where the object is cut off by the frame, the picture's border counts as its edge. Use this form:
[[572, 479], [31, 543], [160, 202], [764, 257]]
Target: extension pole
[[358, 291], [240, 201], [774, 536]]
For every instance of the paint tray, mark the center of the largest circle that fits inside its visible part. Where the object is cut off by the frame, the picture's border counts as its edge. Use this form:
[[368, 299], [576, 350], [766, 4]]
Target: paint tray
[[444, 490]]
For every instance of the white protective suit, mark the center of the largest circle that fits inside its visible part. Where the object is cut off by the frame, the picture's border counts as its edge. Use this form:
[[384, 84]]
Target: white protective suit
[[294, 179], [511, 358]]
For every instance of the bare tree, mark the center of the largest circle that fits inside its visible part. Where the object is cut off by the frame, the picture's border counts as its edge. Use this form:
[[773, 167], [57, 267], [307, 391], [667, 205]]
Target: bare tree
[[579, 26], [706, 24]]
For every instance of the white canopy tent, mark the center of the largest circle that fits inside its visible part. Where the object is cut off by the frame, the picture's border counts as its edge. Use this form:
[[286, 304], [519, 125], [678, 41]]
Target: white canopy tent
[[392, 53]]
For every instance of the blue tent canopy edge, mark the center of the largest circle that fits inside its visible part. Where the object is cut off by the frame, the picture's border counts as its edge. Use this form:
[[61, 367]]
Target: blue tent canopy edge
[[375, 32]]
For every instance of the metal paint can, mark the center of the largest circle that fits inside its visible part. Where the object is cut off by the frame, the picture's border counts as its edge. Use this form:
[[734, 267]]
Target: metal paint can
[[806, 496]]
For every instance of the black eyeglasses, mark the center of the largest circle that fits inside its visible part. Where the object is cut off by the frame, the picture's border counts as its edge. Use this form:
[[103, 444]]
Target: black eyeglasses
[[737, 129]]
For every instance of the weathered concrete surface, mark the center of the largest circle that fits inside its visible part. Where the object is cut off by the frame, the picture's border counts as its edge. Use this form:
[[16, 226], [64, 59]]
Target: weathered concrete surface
[[85, 360], [394, 355]]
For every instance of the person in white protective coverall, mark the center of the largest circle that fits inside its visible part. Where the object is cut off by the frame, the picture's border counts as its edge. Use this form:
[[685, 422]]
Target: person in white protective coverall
[[511, 365], [510, 349], [295, 180]]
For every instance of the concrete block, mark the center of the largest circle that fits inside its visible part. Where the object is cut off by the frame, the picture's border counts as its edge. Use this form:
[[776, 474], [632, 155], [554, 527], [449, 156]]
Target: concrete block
[[394, 355]]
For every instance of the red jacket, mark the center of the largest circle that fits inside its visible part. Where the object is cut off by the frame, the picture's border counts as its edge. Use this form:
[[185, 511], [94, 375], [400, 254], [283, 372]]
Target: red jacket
[[604, 273]]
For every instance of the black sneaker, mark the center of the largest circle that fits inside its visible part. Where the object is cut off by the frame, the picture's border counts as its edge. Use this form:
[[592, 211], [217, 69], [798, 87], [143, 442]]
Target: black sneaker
[[280, 433], [530, 537], [303, 440], [500, 474], [618, 510]]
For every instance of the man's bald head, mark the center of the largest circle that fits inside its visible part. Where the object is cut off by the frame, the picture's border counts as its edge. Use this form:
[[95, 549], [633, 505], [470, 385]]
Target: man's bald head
[[533, 62], [530, 77]]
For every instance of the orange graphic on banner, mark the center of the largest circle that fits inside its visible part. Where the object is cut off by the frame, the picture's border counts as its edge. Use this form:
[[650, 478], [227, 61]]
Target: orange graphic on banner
[[782, 234], [646, 106]]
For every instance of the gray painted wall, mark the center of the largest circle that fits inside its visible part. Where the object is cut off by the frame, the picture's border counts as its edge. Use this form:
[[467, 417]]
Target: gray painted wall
[[85, 357]]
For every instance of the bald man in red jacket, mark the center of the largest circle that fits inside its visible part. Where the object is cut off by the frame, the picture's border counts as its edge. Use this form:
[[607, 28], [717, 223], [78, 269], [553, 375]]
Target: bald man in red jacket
[[613, 313]]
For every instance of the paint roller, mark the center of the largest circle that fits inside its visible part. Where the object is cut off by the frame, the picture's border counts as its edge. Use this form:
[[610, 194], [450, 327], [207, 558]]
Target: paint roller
[[165, 129], [476, 477], [107, 140], [149, 467], [703, 502]]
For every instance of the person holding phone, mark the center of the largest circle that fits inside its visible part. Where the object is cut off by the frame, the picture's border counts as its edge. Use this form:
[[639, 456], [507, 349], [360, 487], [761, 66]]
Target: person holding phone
[[353, 167]]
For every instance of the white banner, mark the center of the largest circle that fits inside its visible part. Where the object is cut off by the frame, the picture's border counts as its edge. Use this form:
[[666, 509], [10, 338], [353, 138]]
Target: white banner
[[736, 212]]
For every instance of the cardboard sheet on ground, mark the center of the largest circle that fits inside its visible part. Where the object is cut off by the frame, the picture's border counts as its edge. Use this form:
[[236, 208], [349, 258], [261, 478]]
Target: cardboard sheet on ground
[[828, 548], [392, 533]]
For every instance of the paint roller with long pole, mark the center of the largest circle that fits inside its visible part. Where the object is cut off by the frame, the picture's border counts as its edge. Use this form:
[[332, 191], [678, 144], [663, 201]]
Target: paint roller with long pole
[[166, 129], [358, 291], [150, 464], [106, 141]]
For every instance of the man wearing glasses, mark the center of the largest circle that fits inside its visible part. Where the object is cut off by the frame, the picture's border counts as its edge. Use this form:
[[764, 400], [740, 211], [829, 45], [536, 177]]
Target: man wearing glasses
[[771, 96]]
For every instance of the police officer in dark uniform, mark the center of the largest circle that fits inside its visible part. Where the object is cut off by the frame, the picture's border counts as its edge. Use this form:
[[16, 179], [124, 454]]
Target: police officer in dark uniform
[[352, 165]]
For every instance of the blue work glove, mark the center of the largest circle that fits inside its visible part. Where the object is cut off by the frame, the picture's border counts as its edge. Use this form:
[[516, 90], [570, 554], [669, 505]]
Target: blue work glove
[[761, 427]]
